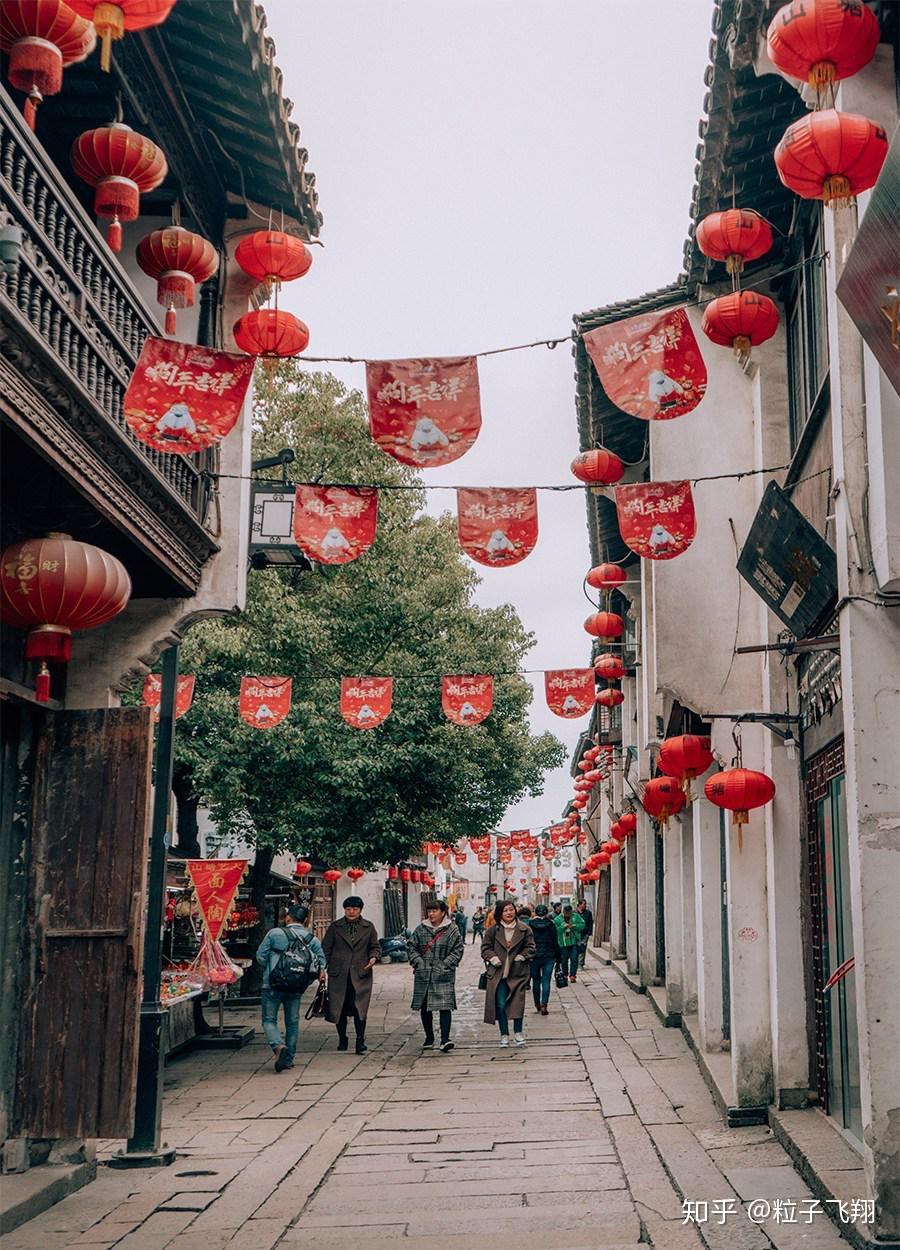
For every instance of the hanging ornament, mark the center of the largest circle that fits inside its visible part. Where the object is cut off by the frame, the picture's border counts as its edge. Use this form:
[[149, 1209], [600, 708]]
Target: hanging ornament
[[264, 702], [355, 874], [569, 691], [598, 467], [335, 524], [741, 320], [184, 694], [662, 798], [627, 823], [424, 412], [273, 257], [610, 668], [606, 576], [467, 700], [738, 790], [650, 366], [831, 156], [366, 701], [303, 867], [271, 333], [178, 260], [54, 585], [611, 697], [734, 236], [685, 758], [497, 527], [122, 166], [112, 20], [605, 625], [332, 875], [41, 37], [823, 41], [656, 519]]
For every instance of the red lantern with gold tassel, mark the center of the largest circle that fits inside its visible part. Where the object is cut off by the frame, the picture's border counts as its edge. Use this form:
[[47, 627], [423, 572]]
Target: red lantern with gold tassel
[[302, 867], [178, 260], [741, 320], [685, 758], [822, 41], [662, 798], [273, 256], [271, 333], [738, 790], [356, 874], [611, 697], [605, 625], [627, 823], [112, 20], [734, 236], [610, 668], [41, 37], [122, 166], [831, 156], [606, 576], [332, 875], [598, 467]]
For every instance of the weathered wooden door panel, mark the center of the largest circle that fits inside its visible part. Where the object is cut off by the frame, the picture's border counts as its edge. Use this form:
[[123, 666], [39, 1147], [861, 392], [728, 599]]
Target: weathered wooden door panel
[[78, 1051]]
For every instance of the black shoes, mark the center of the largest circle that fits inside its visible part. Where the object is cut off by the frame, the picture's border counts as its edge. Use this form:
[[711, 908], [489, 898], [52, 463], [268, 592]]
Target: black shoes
[[361, 1046], [342, 1043], [428, 1044], [448, 1045], [282, 1059]]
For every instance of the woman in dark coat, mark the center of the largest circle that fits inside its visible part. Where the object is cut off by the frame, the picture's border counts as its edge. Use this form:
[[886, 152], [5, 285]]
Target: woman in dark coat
[[545, 958], [507, 949], [435, 949], [351, 948]]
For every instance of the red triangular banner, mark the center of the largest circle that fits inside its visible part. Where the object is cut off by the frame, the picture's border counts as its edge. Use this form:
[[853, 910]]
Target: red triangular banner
[[215, 883]]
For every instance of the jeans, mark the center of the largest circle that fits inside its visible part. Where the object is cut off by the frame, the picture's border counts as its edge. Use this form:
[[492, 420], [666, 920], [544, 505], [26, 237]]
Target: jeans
[[503, 996], [568, 960], [271, 1000], [582, 952], [428, 1023], [541, 976]]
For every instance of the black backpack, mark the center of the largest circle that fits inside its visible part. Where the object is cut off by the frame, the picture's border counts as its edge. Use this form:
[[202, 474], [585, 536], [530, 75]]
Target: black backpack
[[293, 968]]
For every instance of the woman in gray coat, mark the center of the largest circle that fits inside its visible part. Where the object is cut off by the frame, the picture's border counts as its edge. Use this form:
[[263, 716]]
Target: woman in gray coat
[[507, 949], [435, 949]]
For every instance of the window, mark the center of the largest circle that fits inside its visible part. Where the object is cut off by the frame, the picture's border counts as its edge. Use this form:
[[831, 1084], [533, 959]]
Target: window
[[807, 328]]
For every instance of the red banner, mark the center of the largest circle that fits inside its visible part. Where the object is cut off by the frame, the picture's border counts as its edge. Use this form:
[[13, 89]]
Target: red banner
[[650, 366], [184, 693], [182, 398], [497, 527], [264, 701], [570, 691], [656, 519], [335, 524], [467, 700], [366, 701], [215, 883], [424, 412]]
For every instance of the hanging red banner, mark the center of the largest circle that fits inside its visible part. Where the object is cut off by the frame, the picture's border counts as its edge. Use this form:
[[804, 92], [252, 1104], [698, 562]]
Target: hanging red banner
[[656, 519], [424, 412], [650, 366], [497, 527], [518, 838], [366, 701], [467, 700], [184, 693], [215, 883], [335, 524], [264, 701], [182, 398], [570, 691]]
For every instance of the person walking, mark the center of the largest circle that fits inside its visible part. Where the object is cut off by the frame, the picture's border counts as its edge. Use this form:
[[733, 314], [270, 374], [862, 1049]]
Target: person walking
[[545, 958], [462, 922], [588, 917], [477, 924], [435, 949], [304, 961], [569, 927], [351, 948], [507, 948]]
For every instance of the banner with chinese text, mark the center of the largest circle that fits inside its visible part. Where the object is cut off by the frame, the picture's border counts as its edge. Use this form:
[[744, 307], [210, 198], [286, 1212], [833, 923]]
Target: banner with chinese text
[[335, 524], [650, 366], [656, 519], [264, 701], [497, 527], [184, 693], [467, 700], [569, 691], [424, 412], [366, 701], [215, 883]]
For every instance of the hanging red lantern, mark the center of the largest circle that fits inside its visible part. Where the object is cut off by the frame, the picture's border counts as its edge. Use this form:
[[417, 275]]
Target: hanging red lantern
[[112, 20], [271, 333], [302, 867], [598, 467], [741, 320], [581, 839], [606, 576], [822, 41], [592, 752], [355, 874], [605, 625], [332, 875], [685, 758], [580, 802], [52, 586], [662, 798], [178, 260], [122, 166], [831, 156], [735, 236], [41, 37], [610, 668], [627, 823], [610, 697], [615, 831], [738, 790], [393, 873], [273, 256], [603, 858], [416, 876]]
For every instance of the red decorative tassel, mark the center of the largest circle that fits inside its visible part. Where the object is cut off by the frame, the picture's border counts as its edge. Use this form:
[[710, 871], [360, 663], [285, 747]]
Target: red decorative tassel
[[114, 235], [30, 111], [171, 324], [42, 684]]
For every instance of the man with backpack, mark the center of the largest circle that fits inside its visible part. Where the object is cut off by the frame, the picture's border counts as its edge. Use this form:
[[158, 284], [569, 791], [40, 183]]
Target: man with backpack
[[291, 958]]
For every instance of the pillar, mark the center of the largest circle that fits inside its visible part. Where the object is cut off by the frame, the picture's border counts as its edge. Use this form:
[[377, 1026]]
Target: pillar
[[688, 918], [708, 923], [673, 893]]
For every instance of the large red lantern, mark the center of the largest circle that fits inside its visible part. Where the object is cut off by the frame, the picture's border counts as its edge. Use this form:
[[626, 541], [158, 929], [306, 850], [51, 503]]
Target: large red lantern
[[734, 236], [112, 20], [393, 873], [741, 320], [598, 467], [52, 586], [738, 790], [662, 798], [685, 758], [41, 37], [332, 875], [831, 156], [122, 166], [302, 867], [605, 625], [178, 260], [606, 576], [610, 668], [603, 858], [416, 876], [821, 41], [355, 874], [273, 256], [271, 333], [627, 823], [610, 697]]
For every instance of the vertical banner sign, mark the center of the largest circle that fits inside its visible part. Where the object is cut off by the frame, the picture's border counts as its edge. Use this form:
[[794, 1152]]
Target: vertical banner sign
[[570, 691], [184, 694], [424, 412], [650, 366], [264, 701], [467, 700], [656, 519], [497, 527], [335, 524], [182, 398], [215, 883], [366, 701]]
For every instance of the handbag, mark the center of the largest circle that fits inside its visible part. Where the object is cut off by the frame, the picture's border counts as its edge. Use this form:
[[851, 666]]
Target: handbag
[[482, 981], [316, 1008], [561, 979]]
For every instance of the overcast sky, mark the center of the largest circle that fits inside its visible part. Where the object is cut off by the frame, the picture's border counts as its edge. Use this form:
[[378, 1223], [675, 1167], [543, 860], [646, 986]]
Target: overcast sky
[[487, 168]]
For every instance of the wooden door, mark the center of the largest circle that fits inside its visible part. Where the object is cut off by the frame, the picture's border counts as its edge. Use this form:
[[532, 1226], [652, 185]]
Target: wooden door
[[83, 935]]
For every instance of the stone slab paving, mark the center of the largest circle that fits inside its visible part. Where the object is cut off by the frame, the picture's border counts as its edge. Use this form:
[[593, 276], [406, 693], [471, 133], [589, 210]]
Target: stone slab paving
[[590, 1138]]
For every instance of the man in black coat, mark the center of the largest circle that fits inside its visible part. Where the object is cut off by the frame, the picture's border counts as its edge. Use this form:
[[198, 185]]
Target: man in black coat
[[545, 957], [588, 917]]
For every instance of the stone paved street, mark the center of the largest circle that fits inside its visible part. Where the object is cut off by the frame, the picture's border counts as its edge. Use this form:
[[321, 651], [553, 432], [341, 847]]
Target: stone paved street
[[587, 1139]]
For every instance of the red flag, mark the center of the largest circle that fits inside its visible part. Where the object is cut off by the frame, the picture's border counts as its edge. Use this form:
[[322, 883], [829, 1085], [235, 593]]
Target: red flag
[[497, 527], [467, 700], [366, 701], [215, 883], [424, 412], [335, 524], [570, 691], [650, 366], [656, 519], [182, 398], [264, 701], [184, 693]]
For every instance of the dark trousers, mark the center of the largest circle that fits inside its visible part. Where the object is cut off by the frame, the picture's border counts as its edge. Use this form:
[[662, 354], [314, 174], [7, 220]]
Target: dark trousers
[[349, 1009], [444, 1018], [568, 959], [541, 975]]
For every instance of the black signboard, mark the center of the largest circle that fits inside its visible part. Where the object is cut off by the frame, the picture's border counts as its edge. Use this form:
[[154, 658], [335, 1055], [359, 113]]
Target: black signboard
[[789, 564], [272, 527]]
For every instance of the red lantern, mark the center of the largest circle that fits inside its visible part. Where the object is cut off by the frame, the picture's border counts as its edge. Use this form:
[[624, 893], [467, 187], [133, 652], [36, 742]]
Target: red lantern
[[821, 41], [272, 333], [178, 260], [605, 625], [41, 37], [332, 875], [627, 823], [302, 867], [831, 156], [609, 667], [615, 831], [416, 876], [112, 20], [741, 320], [593, 876], [122, 166], [611, 697], [735, 236], [273, 256], [603, 858], [355, 874], [662, 798], [606, 576], [738, 790], [54, 585], [684, 758], [598, 467], [592, 753], [393, 873]]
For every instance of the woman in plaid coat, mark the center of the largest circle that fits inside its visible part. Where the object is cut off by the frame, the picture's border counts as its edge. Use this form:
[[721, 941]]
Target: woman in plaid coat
[[435, 949]]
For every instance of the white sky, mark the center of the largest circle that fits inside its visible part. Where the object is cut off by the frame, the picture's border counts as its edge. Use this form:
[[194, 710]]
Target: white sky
[[487, 168]]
